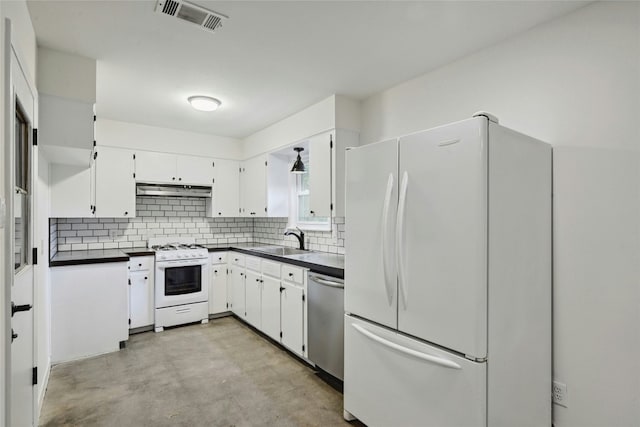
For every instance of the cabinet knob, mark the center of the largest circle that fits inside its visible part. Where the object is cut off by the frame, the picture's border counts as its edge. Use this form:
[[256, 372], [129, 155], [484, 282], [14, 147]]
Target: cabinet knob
[[13, 335], [126, 213], [219, 213], [179, 179], [290, 274], [215, 271], [312, 212], [174, 178], [145, 278], [139, 265]]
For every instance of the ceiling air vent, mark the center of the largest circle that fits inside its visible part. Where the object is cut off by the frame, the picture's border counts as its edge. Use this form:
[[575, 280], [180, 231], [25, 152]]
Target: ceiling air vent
[[206, 19]]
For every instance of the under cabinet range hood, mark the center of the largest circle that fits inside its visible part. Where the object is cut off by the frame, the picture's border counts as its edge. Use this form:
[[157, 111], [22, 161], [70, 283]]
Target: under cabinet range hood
[[172, 190]]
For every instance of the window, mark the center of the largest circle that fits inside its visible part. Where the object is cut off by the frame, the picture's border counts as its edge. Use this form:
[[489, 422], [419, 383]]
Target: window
[[21, 198], [300, 215]]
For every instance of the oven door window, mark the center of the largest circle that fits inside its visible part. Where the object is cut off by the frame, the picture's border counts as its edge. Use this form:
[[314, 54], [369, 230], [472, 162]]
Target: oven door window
[[182, 280]]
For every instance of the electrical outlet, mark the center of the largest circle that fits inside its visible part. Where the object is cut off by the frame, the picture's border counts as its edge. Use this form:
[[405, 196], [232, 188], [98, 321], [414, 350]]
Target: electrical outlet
[[559, 393], [113, 234]]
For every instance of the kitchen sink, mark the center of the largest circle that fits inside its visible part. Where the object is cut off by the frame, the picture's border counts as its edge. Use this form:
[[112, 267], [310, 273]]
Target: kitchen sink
[[277, 250]]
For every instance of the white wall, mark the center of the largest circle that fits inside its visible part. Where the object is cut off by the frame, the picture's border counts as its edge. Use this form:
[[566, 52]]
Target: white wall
[[575, 83], [42, 294], [66, 75], [143, 137], [312, 120]]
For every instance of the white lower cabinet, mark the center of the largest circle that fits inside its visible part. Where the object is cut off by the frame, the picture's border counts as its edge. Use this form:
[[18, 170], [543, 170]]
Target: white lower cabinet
[[292, 317], [218, 283], [253, 299], [237, 280], [271, 307], [273, 298], [141, 292], [88, 310]]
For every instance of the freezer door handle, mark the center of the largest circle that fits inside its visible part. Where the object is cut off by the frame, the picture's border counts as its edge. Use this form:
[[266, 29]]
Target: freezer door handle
[[402, 202], [385, 238], [408, 351]]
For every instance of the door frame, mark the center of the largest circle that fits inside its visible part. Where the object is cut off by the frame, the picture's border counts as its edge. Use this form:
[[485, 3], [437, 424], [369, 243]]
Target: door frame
[[13, 91]]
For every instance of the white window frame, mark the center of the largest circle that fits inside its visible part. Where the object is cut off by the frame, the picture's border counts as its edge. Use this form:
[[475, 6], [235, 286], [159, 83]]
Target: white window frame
[[294, 193]]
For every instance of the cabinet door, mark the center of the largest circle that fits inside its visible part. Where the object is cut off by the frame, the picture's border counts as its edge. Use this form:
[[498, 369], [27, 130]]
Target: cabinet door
[[253, 299], [141, 304], [194, 170], [115, 185], [320, 176], [292, 317], [237, 291], [254, 187], [218, 289], [70, 191], [226, 189], [155, 167], [271, 307]]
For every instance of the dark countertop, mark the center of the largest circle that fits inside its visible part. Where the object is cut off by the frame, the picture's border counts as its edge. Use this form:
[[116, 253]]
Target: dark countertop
[[319, 262], [93, 256]]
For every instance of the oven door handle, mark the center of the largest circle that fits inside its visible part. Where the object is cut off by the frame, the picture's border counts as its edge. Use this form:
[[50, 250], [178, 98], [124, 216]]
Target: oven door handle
[[169, 264]]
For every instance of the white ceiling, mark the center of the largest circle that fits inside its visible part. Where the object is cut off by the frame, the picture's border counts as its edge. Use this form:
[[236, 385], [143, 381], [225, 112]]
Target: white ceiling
[[270, 59]]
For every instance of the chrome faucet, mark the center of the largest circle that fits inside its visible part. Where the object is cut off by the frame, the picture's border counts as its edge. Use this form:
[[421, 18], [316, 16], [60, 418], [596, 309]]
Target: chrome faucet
[[300, 236]]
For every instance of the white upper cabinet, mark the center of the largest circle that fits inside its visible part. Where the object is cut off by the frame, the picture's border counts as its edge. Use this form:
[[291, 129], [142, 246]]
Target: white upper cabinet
[[155, 167], [165, 168], [253, 189], [226, 189], [115, 185], [320, 174], [194, 170]]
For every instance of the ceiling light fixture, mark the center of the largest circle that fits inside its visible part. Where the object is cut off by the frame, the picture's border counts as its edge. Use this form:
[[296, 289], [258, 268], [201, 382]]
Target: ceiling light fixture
[[204, 103], [298, 166]]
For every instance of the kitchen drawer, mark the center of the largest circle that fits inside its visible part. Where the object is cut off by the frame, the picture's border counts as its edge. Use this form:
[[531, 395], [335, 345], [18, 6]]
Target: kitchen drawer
[[271, 268], [292, 274], [141, 263], [218, 257], [252, 263], [237, 259]]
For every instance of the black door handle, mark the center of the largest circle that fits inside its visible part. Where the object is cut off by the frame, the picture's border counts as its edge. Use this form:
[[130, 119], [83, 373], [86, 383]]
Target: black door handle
[[17, 308], [13, 335]]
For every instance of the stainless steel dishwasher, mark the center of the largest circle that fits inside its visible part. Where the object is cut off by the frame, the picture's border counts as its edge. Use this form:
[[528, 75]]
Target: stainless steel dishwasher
[[326, 323]]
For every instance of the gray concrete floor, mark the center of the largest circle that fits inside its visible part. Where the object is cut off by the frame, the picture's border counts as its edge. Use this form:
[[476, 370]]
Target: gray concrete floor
[[219, 374]]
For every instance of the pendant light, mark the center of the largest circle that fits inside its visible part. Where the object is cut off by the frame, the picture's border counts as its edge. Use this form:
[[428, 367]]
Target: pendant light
[[298, 166]]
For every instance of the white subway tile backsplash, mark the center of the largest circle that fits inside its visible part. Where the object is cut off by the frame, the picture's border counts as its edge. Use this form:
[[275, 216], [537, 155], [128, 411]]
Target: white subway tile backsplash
[[166, 216]]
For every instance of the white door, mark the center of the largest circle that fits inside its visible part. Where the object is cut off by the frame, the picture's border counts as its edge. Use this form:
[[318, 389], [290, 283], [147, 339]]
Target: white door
[[292, 317], [115, 185], [21, 173], [371, 202], [195, 170], [393, 380], [320, 166], [226, 190], [271, 307], [442, 228], [155, 167]]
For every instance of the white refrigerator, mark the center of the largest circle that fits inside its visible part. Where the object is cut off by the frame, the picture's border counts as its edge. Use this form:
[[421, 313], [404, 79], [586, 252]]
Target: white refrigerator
[[448, 279]]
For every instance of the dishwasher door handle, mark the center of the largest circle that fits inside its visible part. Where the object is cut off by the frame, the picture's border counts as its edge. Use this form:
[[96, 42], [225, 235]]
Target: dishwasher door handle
[[326, 282]]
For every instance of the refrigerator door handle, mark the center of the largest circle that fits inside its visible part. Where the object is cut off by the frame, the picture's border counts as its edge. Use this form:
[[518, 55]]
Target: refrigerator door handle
[[385, 238], [408, 351], [402, 202]]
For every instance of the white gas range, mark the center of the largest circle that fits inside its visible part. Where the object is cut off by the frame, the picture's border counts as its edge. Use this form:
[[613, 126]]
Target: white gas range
[[181, 281]]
